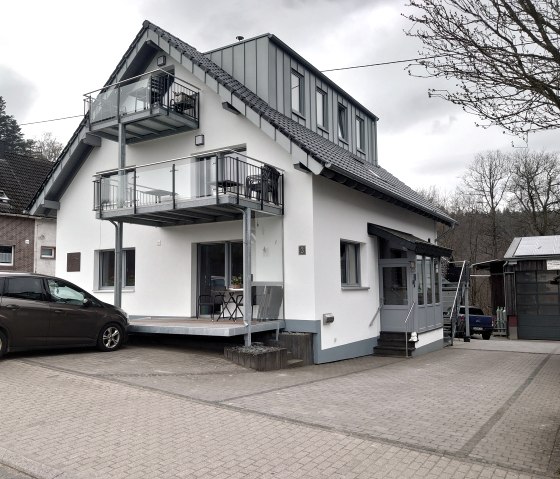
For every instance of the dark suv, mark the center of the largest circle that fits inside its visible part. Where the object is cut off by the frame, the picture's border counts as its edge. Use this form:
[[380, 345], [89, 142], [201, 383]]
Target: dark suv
[[39, 311]]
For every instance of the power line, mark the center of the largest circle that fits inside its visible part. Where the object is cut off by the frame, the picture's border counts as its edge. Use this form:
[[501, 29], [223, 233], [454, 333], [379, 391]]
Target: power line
[[54, 119], [381, 63]]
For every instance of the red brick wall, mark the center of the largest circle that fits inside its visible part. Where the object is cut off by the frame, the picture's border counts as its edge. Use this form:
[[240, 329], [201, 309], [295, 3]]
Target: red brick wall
[[13, 232]]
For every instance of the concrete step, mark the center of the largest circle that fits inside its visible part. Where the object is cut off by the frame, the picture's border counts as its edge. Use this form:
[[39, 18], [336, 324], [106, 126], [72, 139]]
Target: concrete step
[[390, 351], [294, 363]]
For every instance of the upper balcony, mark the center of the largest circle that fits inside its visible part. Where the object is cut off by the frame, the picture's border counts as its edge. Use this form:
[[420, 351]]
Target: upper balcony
[[189, 190], [151, 105]]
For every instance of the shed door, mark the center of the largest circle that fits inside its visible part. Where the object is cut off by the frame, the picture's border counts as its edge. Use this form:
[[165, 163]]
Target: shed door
[[538, 304]]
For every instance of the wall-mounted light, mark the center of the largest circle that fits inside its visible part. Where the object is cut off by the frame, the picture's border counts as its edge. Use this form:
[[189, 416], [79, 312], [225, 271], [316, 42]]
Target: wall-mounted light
[[161, 61], [199, 140]]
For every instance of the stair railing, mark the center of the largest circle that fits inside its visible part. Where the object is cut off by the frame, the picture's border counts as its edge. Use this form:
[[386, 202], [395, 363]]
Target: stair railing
[[454, 313], [376, 314], [406, 327]]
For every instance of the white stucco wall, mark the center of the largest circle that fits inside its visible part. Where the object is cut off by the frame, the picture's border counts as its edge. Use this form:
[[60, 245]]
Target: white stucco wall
[[318, 214], [45, 235], [166, 257], [341, 213]]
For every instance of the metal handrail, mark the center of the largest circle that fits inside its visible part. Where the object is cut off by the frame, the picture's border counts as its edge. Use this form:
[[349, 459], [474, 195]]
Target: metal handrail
[[157, 70], [200, 155], [406, 327], [454, 306], [376, 314]]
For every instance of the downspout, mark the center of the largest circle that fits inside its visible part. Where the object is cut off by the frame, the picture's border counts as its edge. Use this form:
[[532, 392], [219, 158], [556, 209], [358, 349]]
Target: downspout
[[118, 262], [247, 276]]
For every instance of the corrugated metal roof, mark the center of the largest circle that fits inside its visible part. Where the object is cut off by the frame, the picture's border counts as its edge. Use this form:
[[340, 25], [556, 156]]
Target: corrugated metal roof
[[533, 246]]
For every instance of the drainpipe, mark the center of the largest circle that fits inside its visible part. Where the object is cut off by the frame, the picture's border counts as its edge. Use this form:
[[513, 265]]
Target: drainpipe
[[247, 279], [467, 319], [119, 224]]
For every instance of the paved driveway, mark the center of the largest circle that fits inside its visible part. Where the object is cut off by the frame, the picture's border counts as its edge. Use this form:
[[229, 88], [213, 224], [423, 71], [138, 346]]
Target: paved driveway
[[479, 409]]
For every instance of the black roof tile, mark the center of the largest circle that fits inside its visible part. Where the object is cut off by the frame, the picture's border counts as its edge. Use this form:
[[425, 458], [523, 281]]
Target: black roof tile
[[20, 178]]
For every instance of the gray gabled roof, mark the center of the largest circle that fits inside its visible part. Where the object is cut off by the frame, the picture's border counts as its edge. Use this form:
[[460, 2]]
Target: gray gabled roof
[[533, 247], [338, 163]]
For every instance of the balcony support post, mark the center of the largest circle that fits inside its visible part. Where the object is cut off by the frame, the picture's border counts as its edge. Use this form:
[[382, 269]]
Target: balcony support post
[[122, 162], [247, 277], [118, 262]]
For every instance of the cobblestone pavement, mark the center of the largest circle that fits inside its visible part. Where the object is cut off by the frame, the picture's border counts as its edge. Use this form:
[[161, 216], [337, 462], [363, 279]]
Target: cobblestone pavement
[[171, 412]]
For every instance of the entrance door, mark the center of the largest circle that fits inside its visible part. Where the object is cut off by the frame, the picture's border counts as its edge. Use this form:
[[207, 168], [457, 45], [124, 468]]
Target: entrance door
[[396, 295], [217, 264]]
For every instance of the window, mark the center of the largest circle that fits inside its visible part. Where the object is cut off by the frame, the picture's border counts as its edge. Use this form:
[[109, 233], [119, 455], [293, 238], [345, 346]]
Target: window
[[349, 263], [321, 98], [342, 122], [395, 283], [48, 252], [107, 268], [420, 278], [429, 274], [359, 133], [297, 92], [24, 288], [6, 255], [62, 292]]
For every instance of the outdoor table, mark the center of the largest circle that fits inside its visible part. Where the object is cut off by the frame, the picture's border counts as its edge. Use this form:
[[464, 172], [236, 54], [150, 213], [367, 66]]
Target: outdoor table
[[233, 304]]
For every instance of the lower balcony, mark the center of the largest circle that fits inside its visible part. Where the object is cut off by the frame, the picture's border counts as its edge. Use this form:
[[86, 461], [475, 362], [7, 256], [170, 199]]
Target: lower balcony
[[189, 190]]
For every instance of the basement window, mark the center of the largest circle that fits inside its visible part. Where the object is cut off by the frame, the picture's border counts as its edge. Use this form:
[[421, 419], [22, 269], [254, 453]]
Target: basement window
[[48, 252]]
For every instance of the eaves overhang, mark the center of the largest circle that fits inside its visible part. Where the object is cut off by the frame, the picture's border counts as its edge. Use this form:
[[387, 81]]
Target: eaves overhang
[[408, 241], [384, 193]]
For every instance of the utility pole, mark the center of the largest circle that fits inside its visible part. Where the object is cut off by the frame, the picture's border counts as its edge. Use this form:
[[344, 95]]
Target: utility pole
[[467, 319]]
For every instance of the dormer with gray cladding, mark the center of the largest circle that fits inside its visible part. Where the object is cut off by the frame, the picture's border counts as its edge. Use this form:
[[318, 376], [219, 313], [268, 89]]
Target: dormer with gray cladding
[[292, 86]]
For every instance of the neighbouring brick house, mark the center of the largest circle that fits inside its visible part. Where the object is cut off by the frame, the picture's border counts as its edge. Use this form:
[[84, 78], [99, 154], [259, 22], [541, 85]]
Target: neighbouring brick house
[[27, 243]]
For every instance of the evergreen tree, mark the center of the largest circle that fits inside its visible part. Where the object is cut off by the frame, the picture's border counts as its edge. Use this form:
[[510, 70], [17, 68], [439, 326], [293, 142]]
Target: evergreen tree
[[10, 132]]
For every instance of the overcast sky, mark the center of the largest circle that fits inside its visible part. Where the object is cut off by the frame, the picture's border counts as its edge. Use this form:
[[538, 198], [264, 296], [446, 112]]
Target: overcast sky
[[52, 52]]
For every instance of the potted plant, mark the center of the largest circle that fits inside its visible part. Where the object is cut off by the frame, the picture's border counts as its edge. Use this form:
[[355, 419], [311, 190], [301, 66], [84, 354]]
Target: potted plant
[[237, 281]]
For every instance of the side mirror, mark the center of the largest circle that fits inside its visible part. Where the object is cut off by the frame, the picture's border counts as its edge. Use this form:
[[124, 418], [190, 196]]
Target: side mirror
[[86, 302]]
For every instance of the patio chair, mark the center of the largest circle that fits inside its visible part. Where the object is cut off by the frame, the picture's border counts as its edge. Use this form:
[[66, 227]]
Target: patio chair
[[215, 300], [265, 185]]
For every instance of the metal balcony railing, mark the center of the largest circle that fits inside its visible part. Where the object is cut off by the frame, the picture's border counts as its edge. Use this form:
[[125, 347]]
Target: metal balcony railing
[[175, 181], [156, 90]]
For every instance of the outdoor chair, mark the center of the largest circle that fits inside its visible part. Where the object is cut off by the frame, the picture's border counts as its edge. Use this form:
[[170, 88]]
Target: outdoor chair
[[265, 185], [215, 301]]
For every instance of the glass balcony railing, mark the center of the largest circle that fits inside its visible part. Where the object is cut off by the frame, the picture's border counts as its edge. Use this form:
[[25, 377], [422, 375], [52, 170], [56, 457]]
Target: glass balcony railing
[[176, 181], [156, 90]]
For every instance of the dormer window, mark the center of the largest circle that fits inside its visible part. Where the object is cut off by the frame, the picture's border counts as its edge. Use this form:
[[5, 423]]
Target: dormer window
[[297, 92], [360, 133], [342, 122], [3, 197]]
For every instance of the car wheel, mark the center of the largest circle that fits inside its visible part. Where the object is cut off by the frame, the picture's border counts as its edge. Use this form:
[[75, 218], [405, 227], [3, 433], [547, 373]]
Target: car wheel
[[110, 337], [486, 335], [3, 344]]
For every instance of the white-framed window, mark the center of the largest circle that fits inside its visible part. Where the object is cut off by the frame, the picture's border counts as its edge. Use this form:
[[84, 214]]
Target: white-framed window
[[106, 265], [360, 143], [48, 252], [349, 263], [6, 255], [297, 92], [321, 99], [342, 122]]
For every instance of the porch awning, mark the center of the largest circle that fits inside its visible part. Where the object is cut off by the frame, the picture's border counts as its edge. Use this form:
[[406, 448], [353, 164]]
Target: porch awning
[[408, 241]]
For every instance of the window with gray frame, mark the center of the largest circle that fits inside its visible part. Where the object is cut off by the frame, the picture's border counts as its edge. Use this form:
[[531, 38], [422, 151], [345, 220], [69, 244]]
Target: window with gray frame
[[350, 263], [342, 122], [6, 255], [107, 268], [297, 92], [321, 98], [360, 143], [427, 278]]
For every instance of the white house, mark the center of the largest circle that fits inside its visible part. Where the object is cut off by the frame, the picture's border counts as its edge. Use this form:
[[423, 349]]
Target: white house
[[245, 160]]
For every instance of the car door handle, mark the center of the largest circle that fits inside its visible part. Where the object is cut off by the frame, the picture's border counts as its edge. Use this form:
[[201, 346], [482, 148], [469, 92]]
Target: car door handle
[[58, 311], [12, 306]]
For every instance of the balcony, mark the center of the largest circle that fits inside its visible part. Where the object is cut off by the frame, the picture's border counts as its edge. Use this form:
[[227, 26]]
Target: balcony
[[150, 106], [189, 190]]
